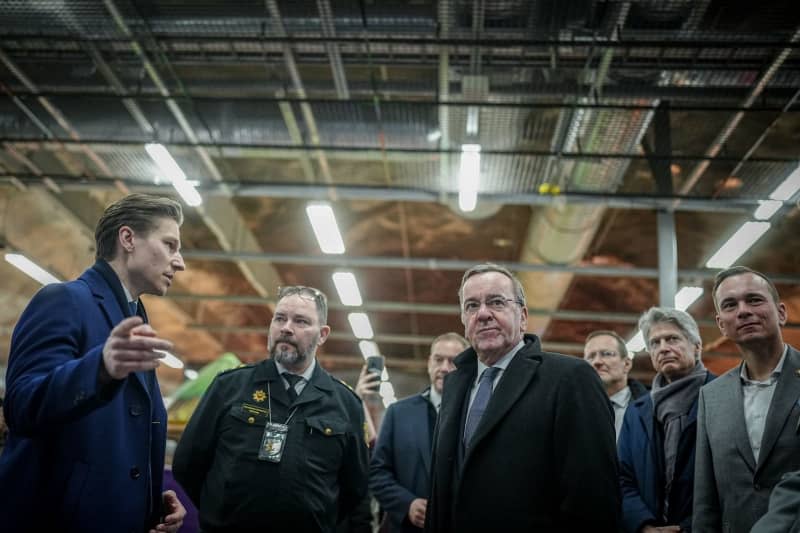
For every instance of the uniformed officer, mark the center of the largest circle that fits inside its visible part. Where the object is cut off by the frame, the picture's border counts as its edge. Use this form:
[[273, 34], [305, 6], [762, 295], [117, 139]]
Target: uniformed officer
[[278, 445]]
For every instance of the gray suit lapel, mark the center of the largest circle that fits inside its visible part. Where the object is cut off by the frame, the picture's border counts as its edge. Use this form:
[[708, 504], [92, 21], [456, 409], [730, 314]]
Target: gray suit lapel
[[787, 391], [512, 385], [735, 399]]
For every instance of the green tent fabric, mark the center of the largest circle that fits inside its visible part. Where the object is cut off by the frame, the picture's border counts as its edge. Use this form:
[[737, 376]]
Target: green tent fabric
[[196, 387]]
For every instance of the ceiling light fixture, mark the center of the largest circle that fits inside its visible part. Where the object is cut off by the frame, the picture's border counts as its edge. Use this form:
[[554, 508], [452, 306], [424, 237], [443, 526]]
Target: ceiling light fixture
[[767, 208], [31, 269], [167, 164], [636, 344], [325, 228], [368, 348], [469, 171], [359, 322], [788, 188], [738, 244], [687, 296], [347, 287]]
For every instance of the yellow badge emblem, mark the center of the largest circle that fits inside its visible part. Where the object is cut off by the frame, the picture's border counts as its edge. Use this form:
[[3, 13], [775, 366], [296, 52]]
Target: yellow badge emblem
[[259, 395]]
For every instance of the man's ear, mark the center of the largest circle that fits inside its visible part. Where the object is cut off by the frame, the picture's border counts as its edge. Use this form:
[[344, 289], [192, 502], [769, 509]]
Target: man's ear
[[125, 237], [324, 331]]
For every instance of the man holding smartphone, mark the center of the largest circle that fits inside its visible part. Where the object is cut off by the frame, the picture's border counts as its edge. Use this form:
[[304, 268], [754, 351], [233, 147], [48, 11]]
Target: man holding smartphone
[[399, 479]]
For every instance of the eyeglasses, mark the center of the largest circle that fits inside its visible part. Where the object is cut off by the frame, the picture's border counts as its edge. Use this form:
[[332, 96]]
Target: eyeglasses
[[303, 292], [605, 354], [495, 303]]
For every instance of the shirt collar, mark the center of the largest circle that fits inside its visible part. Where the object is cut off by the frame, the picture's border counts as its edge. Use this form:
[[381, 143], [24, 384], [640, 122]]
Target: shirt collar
[[776, 372], [128, 296], [435, 398], [306, 375], [621, 397], [503, 362]]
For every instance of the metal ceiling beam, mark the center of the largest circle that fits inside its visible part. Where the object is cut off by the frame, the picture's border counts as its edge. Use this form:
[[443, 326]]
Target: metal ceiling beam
[[439, 309], [329, 30], [316, 149], [101, 93], [396, 194], [463, 44], [433, 263]]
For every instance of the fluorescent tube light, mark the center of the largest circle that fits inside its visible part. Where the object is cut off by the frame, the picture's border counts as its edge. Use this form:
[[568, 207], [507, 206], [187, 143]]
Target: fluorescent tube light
[[170, 360], [167, 164], [636, 344], [788, 188], [31, 269], [469, 171], [368, 348], [687, 296], [361, 326], [347, 287], [325, 228], [767, 208], [738, 244]]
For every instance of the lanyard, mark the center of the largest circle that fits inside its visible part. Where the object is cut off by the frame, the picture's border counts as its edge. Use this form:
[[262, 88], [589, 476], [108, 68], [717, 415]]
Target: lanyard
[[269, 406]]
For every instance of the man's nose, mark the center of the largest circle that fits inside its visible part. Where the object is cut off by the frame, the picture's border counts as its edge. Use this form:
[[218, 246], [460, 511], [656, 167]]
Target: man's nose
[[177, 262], [742, 308], [448, 366]]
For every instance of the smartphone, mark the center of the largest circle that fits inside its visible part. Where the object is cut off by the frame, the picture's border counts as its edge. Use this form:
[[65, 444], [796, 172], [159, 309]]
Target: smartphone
[[375, 365]]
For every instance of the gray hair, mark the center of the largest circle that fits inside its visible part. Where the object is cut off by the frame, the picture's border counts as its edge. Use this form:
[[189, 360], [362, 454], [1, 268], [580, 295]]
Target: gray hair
[[450, 336], [483, 268], [320, 300], [680, 319]]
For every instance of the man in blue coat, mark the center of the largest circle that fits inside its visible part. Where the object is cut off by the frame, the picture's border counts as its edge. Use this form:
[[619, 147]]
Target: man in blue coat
[[87, 425], [657, 443], [399, 470]]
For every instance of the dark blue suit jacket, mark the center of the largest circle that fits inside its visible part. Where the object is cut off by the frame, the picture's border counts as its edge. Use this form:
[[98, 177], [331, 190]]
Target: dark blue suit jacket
[[79, 457], [641, 467], [400, 465]]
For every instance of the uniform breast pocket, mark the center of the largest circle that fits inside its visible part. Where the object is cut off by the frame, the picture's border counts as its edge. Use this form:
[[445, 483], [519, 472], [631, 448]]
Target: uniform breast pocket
[[325, 441], [244, 427]]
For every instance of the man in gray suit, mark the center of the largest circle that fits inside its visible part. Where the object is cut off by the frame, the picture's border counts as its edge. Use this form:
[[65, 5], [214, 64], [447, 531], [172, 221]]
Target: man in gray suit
[[747, 435]]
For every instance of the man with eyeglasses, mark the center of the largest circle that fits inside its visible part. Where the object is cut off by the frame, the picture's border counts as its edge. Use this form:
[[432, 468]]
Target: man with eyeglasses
[[525, 438], [606, 352], [278, 445], [748, 435], [657, 442]]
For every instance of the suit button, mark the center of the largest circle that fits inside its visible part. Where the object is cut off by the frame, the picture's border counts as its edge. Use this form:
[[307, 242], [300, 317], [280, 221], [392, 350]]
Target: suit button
[[135, 473], [757, 486], [135, 410], [251, 420]]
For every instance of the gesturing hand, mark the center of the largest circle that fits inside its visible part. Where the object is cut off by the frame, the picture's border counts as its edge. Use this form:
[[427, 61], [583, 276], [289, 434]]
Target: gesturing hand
[[132, 346]]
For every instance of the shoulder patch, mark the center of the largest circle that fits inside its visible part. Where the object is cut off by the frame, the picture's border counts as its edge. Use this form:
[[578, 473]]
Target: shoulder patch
[[348, 387], [231, 370]]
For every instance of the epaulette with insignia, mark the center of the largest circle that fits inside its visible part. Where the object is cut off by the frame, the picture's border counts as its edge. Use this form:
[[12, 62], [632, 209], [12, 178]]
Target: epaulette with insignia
[[234, 369], [348, 387]]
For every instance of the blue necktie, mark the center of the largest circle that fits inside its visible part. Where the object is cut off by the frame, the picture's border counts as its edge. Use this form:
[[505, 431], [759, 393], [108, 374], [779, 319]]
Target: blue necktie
[[479, 403], [133, 306]]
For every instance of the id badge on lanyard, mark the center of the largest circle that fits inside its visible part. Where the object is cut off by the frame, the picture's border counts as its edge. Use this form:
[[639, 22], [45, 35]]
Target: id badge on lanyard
[[274, 439]]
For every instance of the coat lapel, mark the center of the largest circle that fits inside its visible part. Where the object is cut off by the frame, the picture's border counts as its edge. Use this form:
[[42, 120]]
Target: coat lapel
[[456, 389], [424, 436], [512, 385], [104, 295], [316, 389], [732, 405], [787, 392]]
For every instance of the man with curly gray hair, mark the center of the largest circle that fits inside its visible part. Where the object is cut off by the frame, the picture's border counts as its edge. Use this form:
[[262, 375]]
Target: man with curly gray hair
[[657, 442]]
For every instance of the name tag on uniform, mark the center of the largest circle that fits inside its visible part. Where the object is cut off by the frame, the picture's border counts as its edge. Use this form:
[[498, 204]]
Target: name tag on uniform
[[273, 442]]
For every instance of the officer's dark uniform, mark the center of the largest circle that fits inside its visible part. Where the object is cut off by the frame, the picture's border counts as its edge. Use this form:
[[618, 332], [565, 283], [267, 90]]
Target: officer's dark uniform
[[323, 472]]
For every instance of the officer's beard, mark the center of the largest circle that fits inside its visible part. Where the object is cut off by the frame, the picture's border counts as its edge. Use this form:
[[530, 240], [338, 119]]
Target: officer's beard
[[296, 359]]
